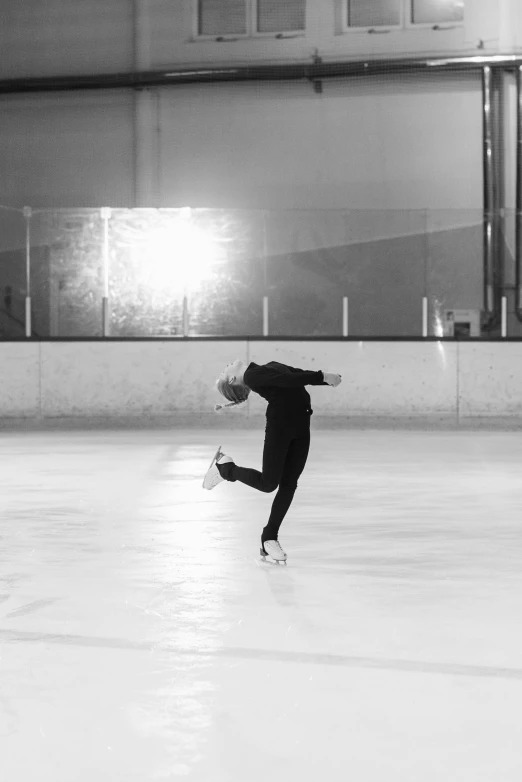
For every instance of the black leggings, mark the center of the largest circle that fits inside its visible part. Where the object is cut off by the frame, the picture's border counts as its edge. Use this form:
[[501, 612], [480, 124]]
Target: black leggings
[[284, 457]]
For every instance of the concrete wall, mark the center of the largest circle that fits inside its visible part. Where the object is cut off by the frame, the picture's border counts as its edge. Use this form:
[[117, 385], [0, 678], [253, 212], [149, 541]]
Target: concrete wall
[[65, 150], [433, 382], [376, 143]]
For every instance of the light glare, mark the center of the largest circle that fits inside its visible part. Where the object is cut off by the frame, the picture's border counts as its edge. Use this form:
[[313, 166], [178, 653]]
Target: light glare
[[178, 257]]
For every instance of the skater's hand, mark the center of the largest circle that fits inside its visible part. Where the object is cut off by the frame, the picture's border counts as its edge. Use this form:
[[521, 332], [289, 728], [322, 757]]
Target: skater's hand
[[332, 379]]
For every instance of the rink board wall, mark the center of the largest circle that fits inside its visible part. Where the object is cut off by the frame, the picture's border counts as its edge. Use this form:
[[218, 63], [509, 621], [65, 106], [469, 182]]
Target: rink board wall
[[432, 381]]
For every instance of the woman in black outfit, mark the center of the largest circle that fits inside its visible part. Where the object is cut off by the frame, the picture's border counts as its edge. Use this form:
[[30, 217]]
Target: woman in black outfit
[[287, 435]]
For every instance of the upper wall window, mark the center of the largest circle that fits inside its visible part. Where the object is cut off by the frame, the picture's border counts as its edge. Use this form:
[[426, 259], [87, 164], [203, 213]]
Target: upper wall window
[[216, 18], [397, 13], [437, 11], [374, 13], [222, 17], [275, 16]]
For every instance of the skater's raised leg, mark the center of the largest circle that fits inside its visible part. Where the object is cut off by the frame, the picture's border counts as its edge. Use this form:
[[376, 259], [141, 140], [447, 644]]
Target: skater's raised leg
[[277, 442], [213, 476]]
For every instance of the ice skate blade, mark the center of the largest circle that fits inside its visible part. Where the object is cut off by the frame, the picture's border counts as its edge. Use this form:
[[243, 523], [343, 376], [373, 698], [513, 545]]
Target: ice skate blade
[[264, 557], [214, 460]]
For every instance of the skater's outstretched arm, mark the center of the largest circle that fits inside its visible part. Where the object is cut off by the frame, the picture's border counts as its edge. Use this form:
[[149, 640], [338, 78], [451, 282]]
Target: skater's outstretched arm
[[296, 378], [330, 378]]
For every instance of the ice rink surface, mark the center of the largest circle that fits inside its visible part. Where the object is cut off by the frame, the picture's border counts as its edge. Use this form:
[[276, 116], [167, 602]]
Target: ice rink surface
[[141, 637]]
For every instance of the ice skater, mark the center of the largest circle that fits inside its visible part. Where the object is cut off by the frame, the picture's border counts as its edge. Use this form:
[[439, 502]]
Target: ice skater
[[287, 436]]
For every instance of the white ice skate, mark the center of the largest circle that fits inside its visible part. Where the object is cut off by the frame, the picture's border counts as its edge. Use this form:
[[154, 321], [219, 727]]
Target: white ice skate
[[213, 477], [274, 550]]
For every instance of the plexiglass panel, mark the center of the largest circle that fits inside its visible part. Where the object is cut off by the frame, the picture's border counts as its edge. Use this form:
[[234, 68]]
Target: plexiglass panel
[[145, 295], [13, 277], [66, 271], [375, 259], [455, 264], [174, 273], [182, 272], [229, 298]]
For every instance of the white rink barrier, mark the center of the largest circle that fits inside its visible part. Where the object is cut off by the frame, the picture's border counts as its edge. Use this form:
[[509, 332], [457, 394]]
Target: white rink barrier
[[423, 381]]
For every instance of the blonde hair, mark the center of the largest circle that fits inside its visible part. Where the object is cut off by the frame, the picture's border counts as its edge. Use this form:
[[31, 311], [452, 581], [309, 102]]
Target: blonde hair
[[235, 395]]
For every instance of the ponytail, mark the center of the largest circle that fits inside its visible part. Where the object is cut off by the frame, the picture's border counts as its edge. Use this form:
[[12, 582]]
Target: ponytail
[[230, 404], [236, 395]]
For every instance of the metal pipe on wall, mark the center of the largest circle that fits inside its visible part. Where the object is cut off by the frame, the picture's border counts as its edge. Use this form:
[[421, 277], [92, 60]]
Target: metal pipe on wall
[[28, 213], [105, 214], [308, 71], [518, 203], [345, 316], [489, 191], [499, 157], [265, 316], [494, 255]]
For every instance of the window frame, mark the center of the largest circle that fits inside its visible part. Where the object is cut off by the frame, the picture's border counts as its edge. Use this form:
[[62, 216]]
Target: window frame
[[197, 36], [409, 25], [283, 33], [405, 23], [382, 28], [251, 16]]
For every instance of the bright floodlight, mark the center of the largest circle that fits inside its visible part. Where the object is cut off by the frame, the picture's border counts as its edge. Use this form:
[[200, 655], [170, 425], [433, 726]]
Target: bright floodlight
[[178, 257]]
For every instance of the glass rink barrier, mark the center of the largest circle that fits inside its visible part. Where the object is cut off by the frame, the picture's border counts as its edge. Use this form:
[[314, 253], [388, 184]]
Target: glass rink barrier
[[181, 273]]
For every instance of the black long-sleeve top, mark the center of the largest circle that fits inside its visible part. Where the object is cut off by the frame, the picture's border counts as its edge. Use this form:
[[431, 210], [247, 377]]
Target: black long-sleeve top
[[283, 387]]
